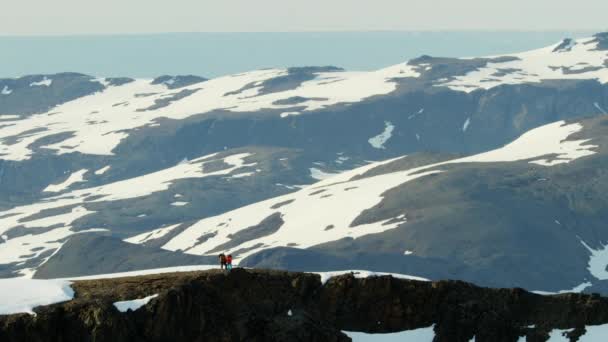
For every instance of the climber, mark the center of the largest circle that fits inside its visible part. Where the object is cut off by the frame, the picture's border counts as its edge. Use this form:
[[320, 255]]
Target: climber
[[229, 262], [222, 261]]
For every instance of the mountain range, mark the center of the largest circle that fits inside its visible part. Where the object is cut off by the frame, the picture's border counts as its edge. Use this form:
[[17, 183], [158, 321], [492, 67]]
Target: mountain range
[[490, 170]]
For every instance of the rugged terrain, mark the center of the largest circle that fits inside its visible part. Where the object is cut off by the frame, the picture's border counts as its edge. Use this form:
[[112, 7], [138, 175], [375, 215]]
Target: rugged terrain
[[258, 305], [304, 169]]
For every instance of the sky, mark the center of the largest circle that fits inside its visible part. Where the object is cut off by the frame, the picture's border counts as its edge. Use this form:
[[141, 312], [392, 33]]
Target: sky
[[79, 17]]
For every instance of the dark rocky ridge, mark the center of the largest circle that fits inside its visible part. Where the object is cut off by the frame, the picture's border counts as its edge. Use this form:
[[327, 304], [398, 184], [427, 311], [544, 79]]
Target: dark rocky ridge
[[253, 305]]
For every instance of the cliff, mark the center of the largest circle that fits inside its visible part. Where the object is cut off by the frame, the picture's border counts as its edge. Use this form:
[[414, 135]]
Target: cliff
[[264, 305]]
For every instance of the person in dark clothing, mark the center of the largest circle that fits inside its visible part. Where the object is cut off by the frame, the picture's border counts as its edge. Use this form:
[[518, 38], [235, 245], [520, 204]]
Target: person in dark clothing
[[222, 261], [229, 262]]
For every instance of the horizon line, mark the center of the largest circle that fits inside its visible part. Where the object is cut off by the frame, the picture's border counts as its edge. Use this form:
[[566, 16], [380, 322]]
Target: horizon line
[[123, 34]]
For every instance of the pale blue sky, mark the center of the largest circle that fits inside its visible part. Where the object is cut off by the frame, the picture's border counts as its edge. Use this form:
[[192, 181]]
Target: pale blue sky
[[61, 17]]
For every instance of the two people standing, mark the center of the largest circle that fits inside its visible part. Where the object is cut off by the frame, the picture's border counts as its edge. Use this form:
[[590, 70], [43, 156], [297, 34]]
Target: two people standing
[[226, 262]]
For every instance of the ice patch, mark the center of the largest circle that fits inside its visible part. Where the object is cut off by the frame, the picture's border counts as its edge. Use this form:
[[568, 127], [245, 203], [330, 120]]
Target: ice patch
[[379, 140], [134, 304]]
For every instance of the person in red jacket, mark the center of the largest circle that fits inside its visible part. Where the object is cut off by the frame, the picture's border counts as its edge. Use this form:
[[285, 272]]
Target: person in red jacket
[[229, 262]]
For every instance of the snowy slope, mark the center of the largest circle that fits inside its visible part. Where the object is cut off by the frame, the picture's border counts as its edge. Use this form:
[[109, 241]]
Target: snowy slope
[[326, 211], [71, 207], [97, 123], [567, 60]]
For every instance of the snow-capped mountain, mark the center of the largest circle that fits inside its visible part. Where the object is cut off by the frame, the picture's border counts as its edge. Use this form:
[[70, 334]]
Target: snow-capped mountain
[[467, 214], [99, 175]]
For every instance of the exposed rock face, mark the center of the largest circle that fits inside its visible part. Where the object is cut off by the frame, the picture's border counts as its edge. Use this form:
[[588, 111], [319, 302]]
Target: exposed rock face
[[253, 305]]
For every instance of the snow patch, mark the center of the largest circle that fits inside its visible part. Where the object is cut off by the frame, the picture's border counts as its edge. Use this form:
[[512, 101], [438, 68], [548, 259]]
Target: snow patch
[[421, 111], [151, 235], [597, 105], [244, 174], [595, 333], [179, 204], [416, 335], [557, 335], [6, 91], [379, 140], [598, 261], [45, 82], [542, 141], [102, 170], [536, 66], [325, 276], [319, 174], [134, 304], [20, 295], [76, 177], [286, 114], [466, 124], [191, 268]]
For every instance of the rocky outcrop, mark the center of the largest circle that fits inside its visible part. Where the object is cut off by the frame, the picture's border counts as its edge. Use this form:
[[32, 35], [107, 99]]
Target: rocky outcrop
[[257, 305]]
